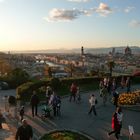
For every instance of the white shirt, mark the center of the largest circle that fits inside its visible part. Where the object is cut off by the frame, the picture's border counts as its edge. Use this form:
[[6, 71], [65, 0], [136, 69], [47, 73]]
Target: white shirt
[[92, 101], [119, 116]]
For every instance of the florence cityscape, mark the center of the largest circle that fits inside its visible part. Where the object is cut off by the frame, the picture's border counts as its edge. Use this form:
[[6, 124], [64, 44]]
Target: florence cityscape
[[69, 70]]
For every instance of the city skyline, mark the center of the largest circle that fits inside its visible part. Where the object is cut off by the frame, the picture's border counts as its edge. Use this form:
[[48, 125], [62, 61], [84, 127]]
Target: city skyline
[[67, 24]]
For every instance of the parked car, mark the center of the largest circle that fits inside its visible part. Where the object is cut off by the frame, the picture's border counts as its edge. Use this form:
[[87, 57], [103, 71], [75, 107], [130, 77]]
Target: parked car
[[4, 85]]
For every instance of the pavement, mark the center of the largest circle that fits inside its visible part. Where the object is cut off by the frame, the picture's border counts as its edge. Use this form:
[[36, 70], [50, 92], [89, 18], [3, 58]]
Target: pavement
[[74, 116]]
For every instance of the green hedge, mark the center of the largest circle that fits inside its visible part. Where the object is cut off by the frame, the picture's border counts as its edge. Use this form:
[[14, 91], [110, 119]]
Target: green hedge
[[24, 91], [62, 86]]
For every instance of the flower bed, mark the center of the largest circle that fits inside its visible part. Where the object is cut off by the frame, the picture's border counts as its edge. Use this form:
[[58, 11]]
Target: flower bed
[[132, 98], [64, 135]]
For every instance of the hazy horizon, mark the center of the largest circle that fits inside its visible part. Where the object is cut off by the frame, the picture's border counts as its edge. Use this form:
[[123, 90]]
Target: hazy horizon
[[135, 49], [68, 24]]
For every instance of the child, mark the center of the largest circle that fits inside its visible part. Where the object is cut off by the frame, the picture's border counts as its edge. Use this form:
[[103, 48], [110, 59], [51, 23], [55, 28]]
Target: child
[[78, 95], [2, 119], [21, 113]]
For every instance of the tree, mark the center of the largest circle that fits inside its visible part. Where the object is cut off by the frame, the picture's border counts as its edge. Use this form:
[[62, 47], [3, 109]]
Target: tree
[[4, 67], [18, 76], [70, 69], [111, 65], [48, 71]]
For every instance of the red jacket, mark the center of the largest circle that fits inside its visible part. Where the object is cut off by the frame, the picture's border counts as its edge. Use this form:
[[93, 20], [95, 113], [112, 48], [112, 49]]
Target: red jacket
[[115, 122], [73, 88]]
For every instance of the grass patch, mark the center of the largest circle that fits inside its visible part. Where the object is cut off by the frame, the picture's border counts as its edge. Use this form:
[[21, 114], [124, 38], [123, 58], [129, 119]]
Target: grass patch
[[64, 135]]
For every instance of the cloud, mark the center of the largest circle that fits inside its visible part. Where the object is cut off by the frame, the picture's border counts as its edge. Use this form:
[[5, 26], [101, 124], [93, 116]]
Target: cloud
[[103, 9], [65, 15], [79, 0], [134, 23], [69, 15], [1, 0], [128, 9]]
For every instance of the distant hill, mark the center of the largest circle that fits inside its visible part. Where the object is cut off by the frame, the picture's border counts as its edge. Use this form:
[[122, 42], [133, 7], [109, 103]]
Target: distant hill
[[135, 50]]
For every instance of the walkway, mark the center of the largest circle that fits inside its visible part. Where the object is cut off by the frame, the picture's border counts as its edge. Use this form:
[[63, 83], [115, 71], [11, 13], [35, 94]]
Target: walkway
[[75, 116]]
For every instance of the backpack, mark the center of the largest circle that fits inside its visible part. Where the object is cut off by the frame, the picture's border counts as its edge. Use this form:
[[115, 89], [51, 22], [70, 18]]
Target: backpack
[[96, 102]]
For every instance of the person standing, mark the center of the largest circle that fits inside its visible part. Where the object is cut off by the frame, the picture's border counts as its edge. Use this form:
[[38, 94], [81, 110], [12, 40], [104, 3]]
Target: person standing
[[48, 94], [116, 97], [115, 126], [128, 84], [1, 119], [24, 132], [123, 82], [73, 90], [92, 102], [104, 94], [34, 103], [21, 113], [78, 95]]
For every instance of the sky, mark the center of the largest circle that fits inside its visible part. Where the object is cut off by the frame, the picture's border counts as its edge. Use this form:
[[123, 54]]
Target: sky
[[67, 24]]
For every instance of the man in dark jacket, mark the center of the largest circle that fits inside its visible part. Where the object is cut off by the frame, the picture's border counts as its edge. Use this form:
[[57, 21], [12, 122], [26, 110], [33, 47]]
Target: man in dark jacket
[[34, 103], [24, 132]]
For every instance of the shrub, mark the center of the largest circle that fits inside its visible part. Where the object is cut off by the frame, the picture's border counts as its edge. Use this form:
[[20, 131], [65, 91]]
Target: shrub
[[12, 100]]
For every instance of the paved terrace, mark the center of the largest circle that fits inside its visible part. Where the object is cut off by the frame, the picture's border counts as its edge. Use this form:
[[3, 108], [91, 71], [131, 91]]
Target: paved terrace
[[75, 116]]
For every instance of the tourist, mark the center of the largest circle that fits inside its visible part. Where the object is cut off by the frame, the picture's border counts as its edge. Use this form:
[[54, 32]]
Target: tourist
[[128, 84], [1, 119], [119, 117], [21, 113], [73, 90], [48, 94], [92, 102], [24, 132], [114, 84], [116, 97], [78, 96], [104, 94], [109, 85], [58, 107], [123, 82], [115, 126], [101, 85], [34, 103]]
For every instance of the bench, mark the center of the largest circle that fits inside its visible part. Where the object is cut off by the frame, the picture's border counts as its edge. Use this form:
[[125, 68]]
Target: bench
[[131, 131]]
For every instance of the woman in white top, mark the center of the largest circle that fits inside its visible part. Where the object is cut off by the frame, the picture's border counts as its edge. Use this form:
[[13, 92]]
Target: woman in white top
[[119, 117], [92, 102]]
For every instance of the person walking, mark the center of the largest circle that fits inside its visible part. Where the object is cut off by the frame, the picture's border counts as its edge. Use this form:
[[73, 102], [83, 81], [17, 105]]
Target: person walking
[[73, 90], [115, 126], [92, 102], [34, 103], [119, 117], [24, 132]]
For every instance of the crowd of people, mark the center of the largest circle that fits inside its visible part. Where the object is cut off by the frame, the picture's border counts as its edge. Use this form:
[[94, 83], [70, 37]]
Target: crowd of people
[[107, 88]]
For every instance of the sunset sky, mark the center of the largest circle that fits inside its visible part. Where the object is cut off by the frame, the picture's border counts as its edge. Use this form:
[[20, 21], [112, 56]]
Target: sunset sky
[[53, 24]]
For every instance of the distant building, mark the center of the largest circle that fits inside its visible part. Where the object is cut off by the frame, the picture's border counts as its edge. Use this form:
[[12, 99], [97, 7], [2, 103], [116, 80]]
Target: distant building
[[82, 50], [113, 51], [128, 51]]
